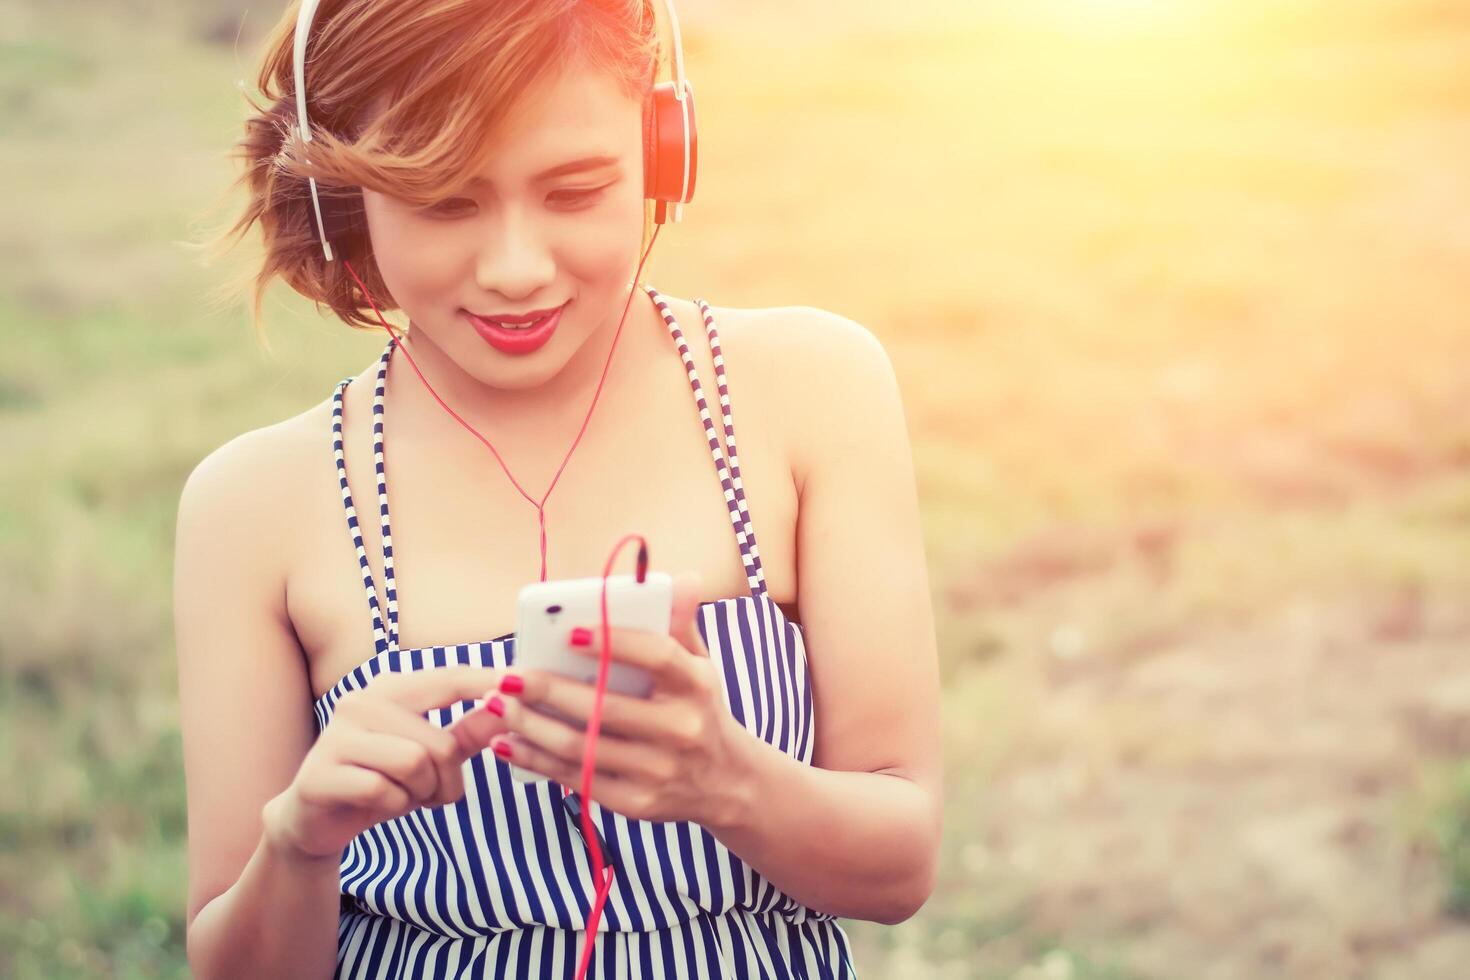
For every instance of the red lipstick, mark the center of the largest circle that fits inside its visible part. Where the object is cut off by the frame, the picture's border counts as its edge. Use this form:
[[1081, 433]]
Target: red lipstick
[[517, 340]]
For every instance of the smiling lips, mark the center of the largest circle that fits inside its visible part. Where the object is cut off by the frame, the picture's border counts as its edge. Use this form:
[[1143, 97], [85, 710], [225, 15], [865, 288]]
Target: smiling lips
[[515, 319], [501, 332]]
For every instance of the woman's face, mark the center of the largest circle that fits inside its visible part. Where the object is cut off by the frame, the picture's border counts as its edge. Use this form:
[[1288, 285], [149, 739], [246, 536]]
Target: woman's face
[[521, 238]]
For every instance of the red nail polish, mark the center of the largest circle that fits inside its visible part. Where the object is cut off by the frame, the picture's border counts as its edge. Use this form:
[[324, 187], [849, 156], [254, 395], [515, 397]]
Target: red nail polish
[[502, 749], [496, 706], [581, 637], [512, 684]]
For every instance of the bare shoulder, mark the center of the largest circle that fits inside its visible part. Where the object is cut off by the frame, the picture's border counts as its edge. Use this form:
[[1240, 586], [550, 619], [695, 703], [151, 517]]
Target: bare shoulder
[[244, 492], [819, 371], [807, 353], [809, 334]]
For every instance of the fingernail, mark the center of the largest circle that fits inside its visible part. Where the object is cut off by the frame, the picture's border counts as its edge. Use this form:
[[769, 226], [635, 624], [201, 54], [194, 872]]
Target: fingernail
[[512, 684], [502, 749], [581, 637], [496, 706]]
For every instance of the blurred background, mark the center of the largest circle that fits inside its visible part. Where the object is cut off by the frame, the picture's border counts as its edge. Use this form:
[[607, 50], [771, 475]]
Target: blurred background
[[1177, 294]]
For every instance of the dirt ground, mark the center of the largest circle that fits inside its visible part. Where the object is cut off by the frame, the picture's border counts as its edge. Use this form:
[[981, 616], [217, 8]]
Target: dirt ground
[[1237, 813], [1213, 793]]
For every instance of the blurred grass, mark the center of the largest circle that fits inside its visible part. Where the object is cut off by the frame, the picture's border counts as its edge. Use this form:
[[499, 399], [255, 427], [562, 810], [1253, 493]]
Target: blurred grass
[[1177, 299], [1440, 815]]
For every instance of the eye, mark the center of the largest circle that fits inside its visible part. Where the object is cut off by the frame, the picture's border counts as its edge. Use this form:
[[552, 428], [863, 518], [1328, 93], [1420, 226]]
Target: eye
[[449, 207], [583, 195]]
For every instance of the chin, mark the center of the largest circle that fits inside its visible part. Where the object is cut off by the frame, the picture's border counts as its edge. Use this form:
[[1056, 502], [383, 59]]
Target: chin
[[524, 378]]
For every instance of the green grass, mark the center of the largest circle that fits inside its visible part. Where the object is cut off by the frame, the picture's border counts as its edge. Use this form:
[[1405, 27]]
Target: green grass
[[1437, 816]]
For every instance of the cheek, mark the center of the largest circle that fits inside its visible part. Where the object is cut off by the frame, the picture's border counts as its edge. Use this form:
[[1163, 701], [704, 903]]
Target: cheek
[[416, 263], [602, 243]]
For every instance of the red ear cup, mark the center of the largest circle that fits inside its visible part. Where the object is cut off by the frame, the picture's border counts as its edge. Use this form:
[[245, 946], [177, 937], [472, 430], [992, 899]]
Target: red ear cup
[[668, 175], [650, 141]]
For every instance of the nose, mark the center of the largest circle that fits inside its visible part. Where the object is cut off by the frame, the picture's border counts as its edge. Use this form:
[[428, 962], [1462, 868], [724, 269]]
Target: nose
[[514, 258]]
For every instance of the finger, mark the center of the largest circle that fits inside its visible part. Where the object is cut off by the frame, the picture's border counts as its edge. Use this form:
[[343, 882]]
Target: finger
[[622, 714], [606, 785], [438, 687], [665, 659], [448, 747], [568, 743], [405, 761], [368, 789], [474, 729]]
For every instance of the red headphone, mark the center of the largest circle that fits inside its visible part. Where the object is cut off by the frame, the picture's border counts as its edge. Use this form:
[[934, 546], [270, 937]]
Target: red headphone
[[670, 147]]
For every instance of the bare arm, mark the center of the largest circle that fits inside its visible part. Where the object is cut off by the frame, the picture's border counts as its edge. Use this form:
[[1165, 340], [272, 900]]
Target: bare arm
[[856, 833], [247, 724], [272, 804]]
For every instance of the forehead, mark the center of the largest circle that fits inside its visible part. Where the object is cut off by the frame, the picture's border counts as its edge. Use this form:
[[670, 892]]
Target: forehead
[[572, 113]]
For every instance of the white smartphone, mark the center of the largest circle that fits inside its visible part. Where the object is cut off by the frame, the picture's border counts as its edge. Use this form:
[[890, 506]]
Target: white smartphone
[[547, 611]]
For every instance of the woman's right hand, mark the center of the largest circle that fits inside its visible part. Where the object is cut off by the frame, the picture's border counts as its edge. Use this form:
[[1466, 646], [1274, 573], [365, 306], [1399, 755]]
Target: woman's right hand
[[380, 758]]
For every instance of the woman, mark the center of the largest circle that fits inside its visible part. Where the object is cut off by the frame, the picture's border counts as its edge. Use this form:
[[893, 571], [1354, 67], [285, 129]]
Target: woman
[[350, 804]]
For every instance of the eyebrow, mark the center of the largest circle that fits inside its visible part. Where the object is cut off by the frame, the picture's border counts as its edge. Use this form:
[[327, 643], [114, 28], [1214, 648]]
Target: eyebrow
[[562, 169]]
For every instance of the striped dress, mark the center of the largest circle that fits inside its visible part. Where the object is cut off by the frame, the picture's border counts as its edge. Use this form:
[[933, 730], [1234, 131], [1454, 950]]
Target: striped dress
[[499, 883]]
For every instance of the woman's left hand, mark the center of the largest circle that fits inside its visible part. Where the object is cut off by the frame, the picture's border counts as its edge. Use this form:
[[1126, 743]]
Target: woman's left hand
[[670, 756]]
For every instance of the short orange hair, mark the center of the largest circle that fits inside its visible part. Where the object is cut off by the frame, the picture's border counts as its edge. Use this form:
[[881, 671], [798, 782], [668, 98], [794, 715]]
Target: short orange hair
[[443, 73]]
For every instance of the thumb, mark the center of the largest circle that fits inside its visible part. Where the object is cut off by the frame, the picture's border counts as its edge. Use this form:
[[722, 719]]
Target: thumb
[[682, 618]]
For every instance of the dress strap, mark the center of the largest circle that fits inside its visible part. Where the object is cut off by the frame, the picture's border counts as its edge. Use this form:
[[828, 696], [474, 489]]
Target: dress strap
[[729, 473], [384, 638]]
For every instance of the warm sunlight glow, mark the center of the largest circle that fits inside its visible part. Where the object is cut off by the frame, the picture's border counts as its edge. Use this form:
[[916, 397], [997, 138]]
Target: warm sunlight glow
[[1108, 9], [1108, 16]]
